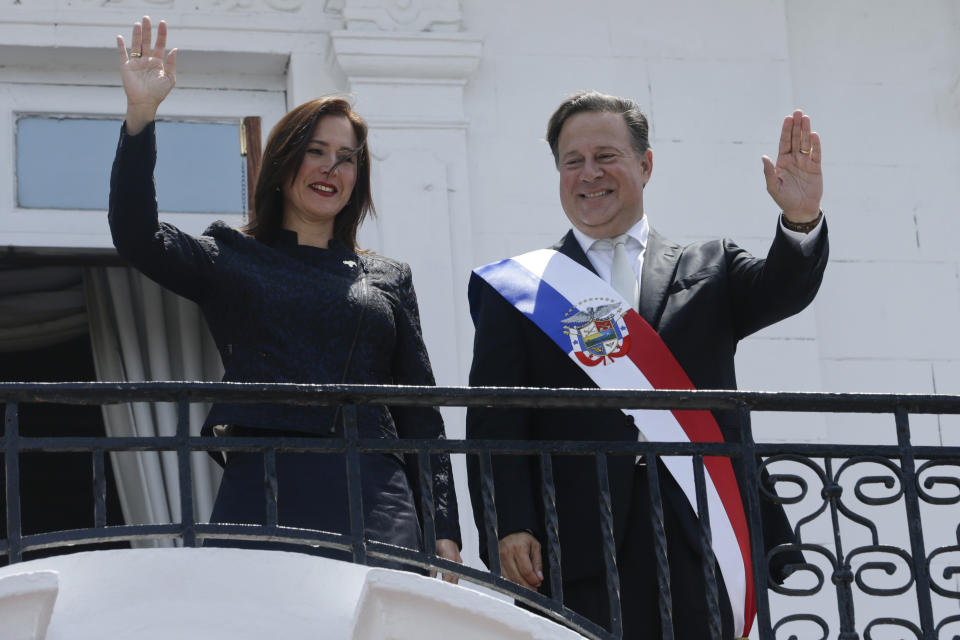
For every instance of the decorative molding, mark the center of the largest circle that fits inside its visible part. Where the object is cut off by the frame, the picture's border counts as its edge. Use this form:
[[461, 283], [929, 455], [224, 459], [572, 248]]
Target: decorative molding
[[201, 5], [408, 77], [409, 16], [285, 5], [406, 58], [241, 26]]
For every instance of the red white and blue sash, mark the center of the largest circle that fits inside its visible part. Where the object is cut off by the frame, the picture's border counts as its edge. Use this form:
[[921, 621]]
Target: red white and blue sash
[[618, 349]]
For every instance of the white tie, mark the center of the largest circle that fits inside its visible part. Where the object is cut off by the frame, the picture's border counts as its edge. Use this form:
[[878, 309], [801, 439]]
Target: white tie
[[622, 276], [624, 280]]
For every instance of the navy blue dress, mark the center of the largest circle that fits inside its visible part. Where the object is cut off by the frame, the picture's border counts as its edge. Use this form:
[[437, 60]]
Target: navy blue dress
[[290, 313]]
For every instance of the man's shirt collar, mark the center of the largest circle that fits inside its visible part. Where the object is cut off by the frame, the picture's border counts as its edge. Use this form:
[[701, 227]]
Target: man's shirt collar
[[638, 232]]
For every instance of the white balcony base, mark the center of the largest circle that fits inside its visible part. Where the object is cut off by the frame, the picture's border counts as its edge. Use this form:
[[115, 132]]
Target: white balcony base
[[26, 603], [147, 594]]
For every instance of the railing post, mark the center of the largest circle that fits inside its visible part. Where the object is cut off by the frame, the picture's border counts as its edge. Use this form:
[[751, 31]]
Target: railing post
[[271, 486], [609, 546], [99, 490], [188, 521], [426, 502], [354, 484], [751, 478], [908, 465], [842, 575], [487, 490], [552, 527], [12, 464], [706, 549], [664, 596]]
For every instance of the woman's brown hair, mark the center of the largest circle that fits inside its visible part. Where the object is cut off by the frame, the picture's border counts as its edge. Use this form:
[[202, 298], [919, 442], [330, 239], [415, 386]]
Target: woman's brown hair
[[286, 147]]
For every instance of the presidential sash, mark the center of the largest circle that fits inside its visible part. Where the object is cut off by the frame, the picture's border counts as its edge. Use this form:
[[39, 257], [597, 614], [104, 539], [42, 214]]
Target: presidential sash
[[618, 349]]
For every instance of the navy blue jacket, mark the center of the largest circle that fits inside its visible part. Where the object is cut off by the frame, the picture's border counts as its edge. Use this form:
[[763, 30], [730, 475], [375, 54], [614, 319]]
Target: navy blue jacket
[[287, 313]]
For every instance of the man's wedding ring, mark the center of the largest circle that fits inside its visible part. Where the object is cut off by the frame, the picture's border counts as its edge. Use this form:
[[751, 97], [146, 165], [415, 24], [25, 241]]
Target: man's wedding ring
[[807, 152], [135, 54]]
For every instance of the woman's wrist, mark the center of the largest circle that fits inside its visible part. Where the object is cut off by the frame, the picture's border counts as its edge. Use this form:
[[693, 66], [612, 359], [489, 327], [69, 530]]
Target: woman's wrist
[[138, 118]]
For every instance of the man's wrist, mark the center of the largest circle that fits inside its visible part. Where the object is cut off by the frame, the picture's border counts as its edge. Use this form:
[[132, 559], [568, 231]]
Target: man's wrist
[[801, 227], [530, 531]]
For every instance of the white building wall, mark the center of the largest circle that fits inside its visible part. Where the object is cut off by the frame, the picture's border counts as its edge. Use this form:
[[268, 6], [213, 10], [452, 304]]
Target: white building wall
[[716, 83], [464, 176]]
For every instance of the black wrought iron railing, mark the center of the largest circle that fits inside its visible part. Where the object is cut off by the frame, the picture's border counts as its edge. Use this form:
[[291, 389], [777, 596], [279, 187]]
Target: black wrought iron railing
[[914, 486]]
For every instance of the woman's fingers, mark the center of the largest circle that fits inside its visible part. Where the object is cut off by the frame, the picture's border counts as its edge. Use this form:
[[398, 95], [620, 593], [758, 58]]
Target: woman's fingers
[[170, 67], [136, 39], [161, 45], [147, 37]]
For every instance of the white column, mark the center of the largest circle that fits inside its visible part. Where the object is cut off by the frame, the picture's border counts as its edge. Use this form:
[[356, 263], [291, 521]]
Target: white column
[[406, 63], [311, 73], [409, 86]]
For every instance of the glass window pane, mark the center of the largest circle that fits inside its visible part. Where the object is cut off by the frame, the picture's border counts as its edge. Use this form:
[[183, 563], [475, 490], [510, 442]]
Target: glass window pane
[[64, 163], [199, 167]]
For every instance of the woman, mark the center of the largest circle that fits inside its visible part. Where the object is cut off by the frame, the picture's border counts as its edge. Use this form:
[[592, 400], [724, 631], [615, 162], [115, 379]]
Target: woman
[[289, 298]]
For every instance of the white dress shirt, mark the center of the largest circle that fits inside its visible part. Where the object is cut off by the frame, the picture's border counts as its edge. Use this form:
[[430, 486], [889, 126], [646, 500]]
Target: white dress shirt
[[600, 251]]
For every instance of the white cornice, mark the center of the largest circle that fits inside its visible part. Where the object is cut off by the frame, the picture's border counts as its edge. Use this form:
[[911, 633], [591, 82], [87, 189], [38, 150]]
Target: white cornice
[[373, 56], [409, 16], [87, 23]]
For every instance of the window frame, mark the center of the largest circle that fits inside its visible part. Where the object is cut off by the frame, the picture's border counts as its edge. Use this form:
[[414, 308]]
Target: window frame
[[29, 230]]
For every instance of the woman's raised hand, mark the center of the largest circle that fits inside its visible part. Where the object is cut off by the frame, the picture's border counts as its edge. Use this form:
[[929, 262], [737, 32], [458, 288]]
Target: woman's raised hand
[[148, 73]]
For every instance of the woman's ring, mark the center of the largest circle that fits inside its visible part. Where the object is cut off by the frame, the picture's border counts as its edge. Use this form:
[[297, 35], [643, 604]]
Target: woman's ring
[[807, 152], [135, 54]]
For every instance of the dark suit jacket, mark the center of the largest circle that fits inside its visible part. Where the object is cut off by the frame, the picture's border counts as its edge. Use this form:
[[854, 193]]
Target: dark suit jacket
[[701, 299]]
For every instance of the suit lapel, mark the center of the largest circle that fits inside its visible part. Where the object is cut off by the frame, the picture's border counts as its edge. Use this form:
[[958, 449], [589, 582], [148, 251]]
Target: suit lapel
[[660, 260], [659, 265], [569, 247]]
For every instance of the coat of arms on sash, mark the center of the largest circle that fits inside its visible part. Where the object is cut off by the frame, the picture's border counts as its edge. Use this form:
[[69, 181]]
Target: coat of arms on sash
[[597, 333]]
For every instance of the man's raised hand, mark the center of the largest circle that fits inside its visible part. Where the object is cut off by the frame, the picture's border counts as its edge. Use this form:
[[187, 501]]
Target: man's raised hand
[[795, 182]]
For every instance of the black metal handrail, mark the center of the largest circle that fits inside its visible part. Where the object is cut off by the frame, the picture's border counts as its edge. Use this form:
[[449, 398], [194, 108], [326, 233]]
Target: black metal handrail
[[752, 457]]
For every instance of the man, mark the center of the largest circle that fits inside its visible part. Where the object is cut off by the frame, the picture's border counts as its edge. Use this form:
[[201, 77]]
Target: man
[[694, 302]]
